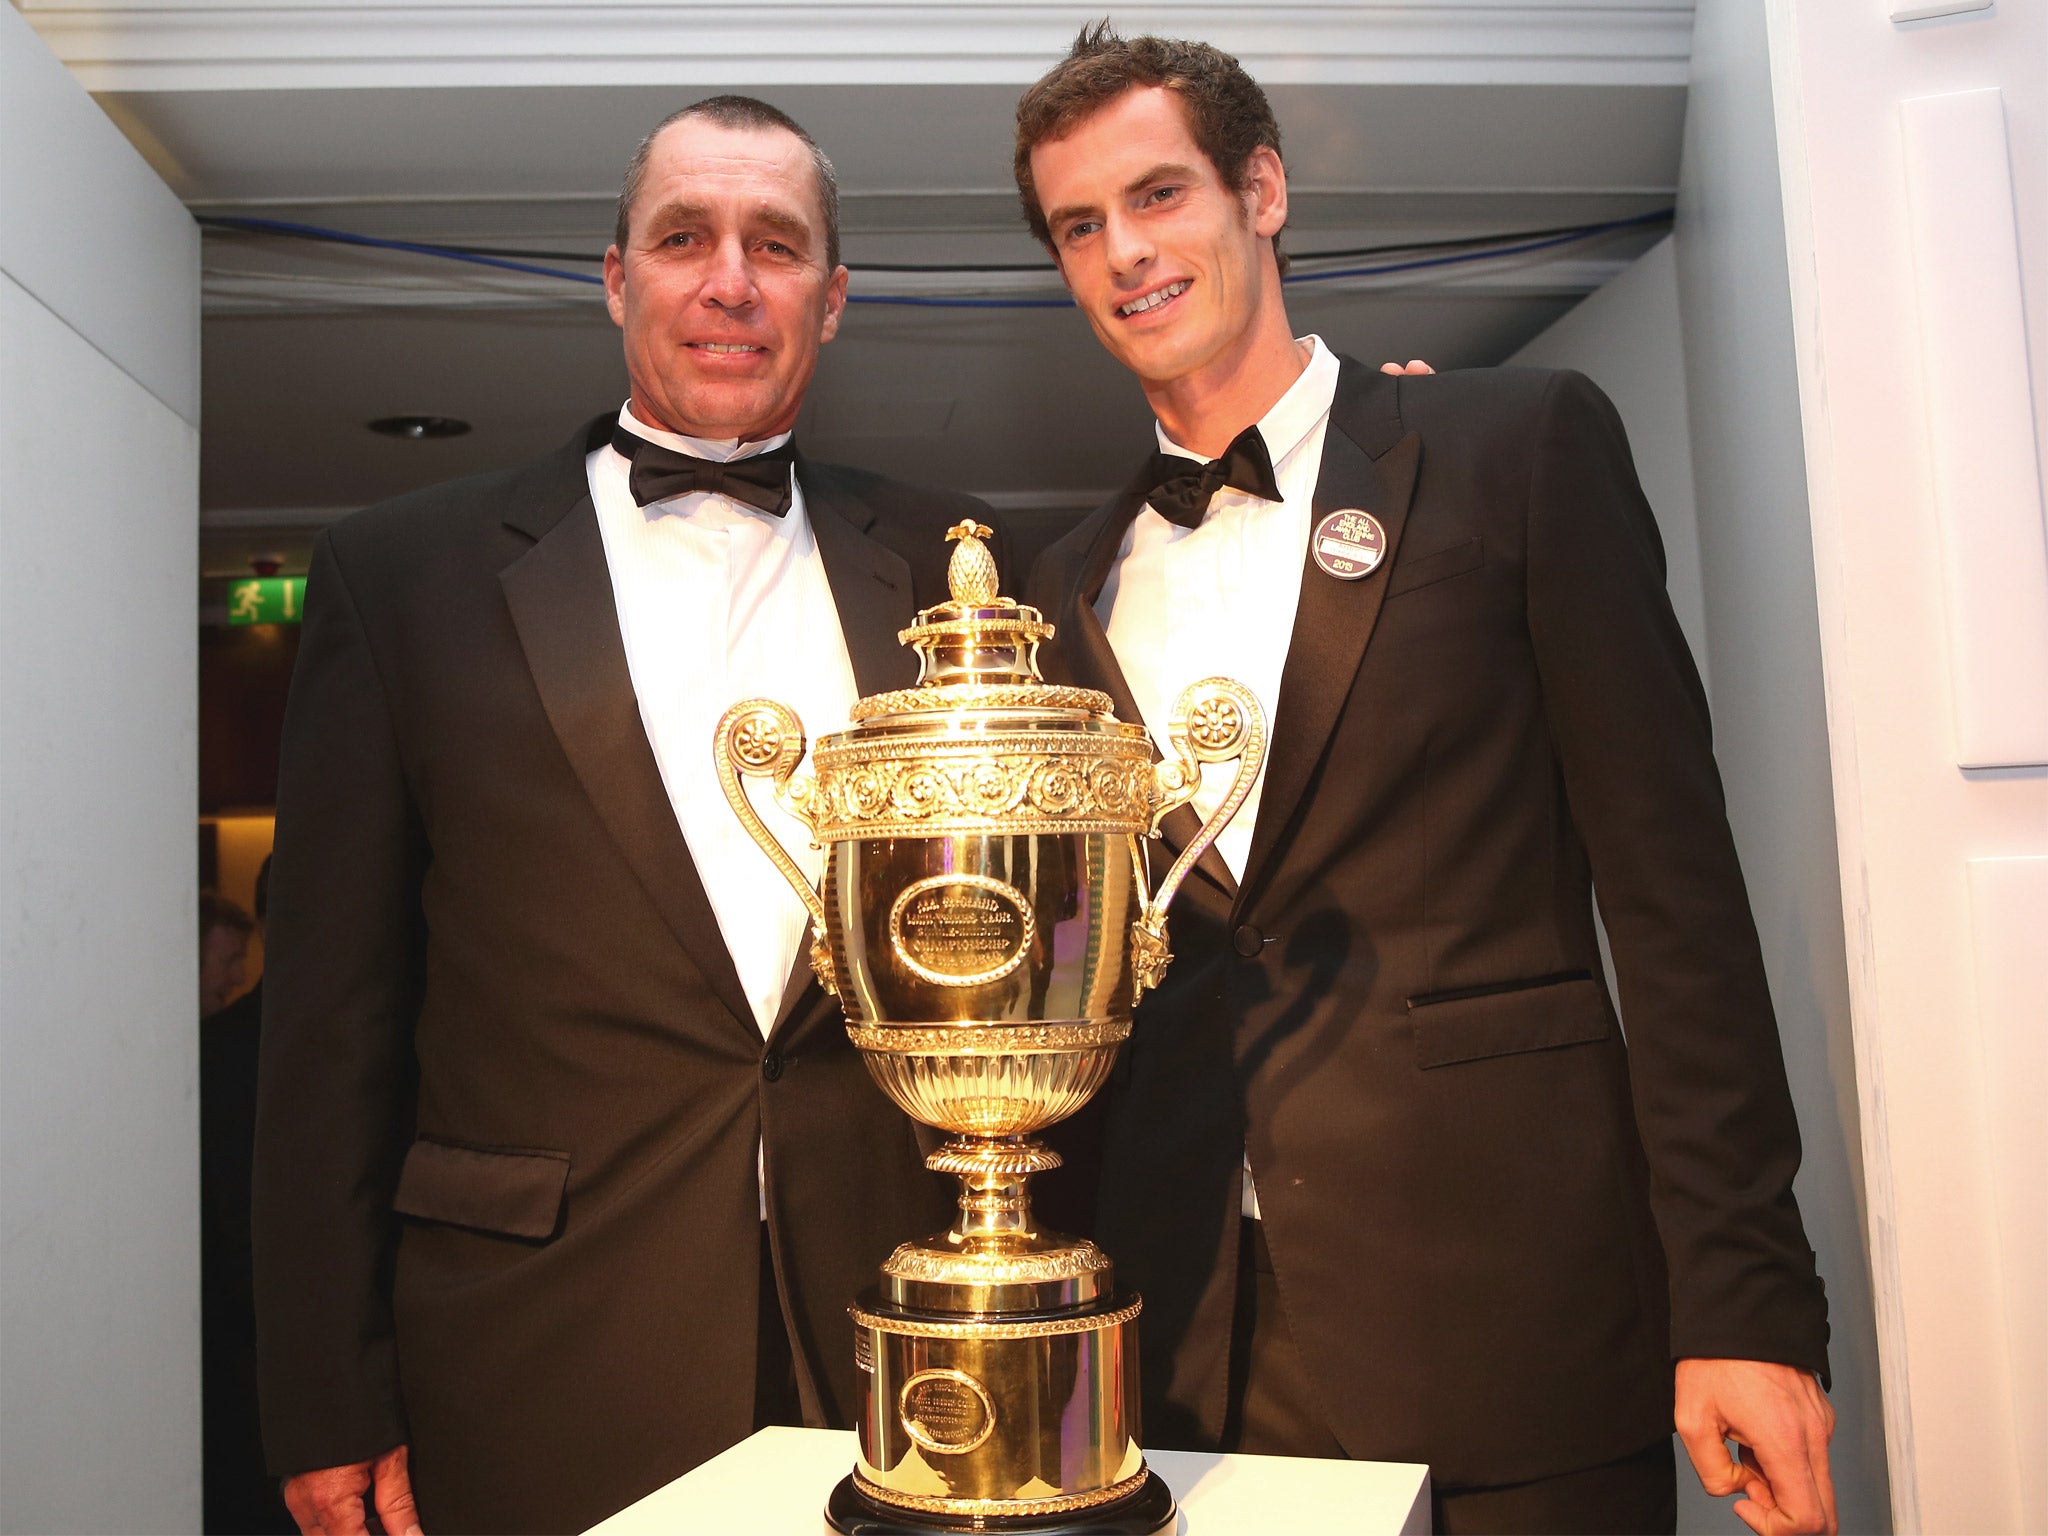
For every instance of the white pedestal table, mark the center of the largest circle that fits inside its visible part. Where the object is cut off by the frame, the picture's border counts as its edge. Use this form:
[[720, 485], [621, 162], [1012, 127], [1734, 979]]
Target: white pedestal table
[[774, 1484]]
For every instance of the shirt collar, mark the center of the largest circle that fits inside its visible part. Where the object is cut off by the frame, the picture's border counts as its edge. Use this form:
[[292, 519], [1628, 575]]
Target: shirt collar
[[1293, 416], [718, 449]]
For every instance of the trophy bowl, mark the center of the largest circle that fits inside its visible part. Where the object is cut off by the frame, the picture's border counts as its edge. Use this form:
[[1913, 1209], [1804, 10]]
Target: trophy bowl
[[986, 924]]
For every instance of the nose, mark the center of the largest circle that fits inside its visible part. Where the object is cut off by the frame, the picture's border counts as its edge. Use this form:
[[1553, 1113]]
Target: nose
[[729, 283], [1126, 244]]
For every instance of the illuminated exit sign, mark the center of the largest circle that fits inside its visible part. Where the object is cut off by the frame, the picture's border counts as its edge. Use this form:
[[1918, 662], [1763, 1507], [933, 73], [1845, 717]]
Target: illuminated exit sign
[[267, 600]]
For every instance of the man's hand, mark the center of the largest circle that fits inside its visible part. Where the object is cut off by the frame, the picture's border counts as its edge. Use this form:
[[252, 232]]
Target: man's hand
[[329, 1502], [1413, 365], [1781, 1420]]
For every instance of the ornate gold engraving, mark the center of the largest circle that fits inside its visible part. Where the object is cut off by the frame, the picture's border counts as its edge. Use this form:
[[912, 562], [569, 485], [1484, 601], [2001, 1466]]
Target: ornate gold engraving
[[1032, 696], [981, 1328], [1214, 721], [757, 740], [979, 1159], [1030, 742], [763, 739], [932, 1504], [946, 1411], [961, 930], [983, 627], [996, 1093], [912, 1262], [1029, 783], [987, 1039], [1150, 955]]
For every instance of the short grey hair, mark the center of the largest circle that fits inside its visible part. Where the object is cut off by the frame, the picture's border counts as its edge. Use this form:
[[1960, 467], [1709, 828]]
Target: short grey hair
[[736, 112]]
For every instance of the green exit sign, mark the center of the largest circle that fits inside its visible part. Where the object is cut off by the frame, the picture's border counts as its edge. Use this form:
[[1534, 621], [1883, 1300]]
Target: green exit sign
[[267, 600]]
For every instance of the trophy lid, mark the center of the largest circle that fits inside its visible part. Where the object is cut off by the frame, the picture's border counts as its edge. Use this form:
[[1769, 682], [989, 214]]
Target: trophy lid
[[978, 649]]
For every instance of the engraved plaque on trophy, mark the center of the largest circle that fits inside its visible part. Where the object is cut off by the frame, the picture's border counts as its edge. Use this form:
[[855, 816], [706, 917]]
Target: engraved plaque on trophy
[[986, 925]]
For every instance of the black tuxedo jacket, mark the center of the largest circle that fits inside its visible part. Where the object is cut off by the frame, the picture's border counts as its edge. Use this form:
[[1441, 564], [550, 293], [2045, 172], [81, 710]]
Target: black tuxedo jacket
[[505, 1203], [1494, 1223]]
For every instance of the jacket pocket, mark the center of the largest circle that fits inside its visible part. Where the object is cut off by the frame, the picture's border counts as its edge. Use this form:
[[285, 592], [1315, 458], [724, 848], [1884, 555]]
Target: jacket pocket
[[1500, 1021], [1439, 566], [517, 1191]]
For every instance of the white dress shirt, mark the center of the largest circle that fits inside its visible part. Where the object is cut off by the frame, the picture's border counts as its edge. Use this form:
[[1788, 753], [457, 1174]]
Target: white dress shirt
[[1181, 604], [717, 603]]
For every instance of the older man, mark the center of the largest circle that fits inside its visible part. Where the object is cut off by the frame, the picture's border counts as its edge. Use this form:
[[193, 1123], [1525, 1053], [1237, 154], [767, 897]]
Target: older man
[[1378, 1156], [566, 1168]]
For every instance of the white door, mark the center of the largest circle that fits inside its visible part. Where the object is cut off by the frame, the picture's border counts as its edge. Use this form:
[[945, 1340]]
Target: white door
[[99, 450]]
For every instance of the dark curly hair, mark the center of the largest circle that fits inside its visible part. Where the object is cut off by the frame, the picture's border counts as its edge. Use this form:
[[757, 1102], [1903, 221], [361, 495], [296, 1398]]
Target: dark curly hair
[[1228, 114]]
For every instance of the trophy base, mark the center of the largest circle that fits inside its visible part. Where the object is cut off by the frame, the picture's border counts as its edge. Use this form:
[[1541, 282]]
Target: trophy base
[[1148, 1512]]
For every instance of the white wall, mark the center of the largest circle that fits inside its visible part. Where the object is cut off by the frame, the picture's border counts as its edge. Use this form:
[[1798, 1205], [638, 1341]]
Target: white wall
[[1826, 391], [1943, 1021], [99, 391], [1757, 571], [1625, 337], [1740, 575]]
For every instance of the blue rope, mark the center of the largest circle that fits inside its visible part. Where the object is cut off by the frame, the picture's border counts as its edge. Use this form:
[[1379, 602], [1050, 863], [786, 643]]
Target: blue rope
[[343, 237], [905, 300], [1591, 231], [934, 303]]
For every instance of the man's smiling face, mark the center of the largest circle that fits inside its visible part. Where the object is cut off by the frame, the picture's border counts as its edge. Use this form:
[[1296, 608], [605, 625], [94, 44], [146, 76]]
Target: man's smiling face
[[1167, 262], [722, 287]]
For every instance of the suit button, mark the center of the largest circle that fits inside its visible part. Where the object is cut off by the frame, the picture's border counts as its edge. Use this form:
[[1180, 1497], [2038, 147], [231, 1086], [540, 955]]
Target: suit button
[[1248, 941], [771, 1065]]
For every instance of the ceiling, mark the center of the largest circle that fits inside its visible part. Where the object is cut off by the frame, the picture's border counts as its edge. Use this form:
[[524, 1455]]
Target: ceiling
[[507, 126]]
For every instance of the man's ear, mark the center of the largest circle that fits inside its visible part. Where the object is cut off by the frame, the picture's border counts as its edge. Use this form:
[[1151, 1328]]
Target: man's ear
[[615, 285], [835, 305], [1266, 188]]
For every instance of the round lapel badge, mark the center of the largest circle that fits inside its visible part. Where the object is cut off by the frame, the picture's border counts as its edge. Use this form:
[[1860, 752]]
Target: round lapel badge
[[1349, 544]]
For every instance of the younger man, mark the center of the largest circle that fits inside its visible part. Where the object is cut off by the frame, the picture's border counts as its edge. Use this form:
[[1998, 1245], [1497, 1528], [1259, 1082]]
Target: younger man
[[1378, 1157]]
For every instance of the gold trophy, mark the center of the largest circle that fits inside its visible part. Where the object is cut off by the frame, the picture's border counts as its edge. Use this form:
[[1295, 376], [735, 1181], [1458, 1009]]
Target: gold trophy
[[985, 924]]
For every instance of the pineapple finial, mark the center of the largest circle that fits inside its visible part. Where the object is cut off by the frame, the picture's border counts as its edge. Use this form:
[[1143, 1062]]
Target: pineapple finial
[[972, 571]]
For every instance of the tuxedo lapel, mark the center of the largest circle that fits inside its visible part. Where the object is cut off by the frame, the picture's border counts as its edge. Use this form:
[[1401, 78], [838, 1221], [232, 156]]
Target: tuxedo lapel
[[871, 584], [1081, 634], [1095, 664], [1334, 620], [872, 589], [562, 605]]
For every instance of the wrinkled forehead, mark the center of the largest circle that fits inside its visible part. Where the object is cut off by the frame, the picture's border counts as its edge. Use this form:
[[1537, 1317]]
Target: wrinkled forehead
[[738, 171]]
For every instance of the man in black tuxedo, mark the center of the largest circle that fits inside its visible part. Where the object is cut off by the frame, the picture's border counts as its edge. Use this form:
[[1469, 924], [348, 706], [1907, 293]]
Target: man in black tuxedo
[[566, 1168], [1378, 1157]]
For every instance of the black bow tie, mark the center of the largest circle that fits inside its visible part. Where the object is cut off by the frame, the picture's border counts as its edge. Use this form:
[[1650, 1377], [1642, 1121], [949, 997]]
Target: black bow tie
[[1180, 488], [762, 482]]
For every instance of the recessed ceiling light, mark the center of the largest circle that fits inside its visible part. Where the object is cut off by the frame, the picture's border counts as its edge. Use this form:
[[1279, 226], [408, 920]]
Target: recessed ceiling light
[[416, 428]]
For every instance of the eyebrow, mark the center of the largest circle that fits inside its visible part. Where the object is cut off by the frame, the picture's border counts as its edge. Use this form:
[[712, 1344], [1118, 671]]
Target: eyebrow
[[786, 223], [1166, 170], [678, 213], [782, 222]]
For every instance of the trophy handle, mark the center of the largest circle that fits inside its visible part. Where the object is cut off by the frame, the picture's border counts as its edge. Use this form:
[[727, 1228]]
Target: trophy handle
[[1214, 721], [761, 739]]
